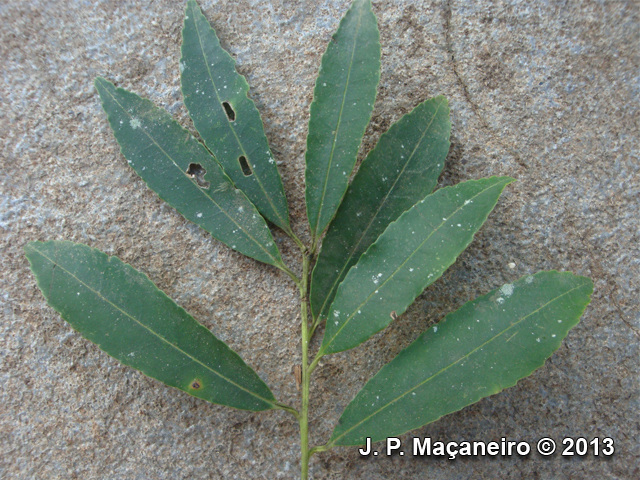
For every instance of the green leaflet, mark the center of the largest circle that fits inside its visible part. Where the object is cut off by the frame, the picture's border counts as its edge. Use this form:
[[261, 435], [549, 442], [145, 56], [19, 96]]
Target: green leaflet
[[127, 316], [484, 347], [209, 81], [409, 256], [161, 152], [402, 168], [343, 100]]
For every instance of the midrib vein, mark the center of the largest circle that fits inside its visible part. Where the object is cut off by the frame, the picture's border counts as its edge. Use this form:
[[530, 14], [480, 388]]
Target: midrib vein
[[231, 126], [335, 137], [355, 310], [193, 182], [452, 364], [382, 204], [98, 294]]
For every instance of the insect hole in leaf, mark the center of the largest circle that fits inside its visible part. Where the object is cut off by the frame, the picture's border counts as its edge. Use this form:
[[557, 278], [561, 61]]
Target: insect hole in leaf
[[231, 114], [246, 169], [197, 173]]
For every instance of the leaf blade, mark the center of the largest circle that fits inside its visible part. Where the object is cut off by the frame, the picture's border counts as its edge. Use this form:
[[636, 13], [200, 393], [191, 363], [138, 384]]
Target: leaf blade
[[146, 329], [161, 152], [402, 168], [410, 255], [498, 351], [209, 81], [344, 95]]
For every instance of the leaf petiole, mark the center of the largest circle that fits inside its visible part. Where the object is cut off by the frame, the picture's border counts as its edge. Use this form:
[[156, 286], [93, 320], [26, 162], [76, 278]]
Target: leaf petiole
[[287, 408]]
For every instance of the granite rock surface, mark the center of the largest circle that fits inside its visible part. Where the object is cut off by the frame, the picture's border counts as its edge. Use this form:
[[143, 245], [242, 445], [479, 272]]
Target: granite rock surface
[[546, 92]]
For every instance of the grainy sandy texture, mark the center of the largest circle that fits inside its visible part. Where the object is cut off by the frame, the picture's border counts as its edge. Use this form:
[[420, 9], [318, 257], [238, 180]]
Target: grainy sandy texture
[[547, 92]]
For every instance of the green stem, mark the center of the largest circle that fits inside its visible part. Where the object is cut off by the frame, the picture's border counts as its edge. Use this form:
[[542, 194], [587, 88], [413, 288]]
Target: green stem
[[304, 409]]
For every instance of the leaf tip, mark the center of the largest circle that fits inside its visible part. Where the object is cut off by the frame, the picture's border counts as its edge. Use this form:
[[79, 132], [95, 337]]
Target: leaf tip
[[101, 82]]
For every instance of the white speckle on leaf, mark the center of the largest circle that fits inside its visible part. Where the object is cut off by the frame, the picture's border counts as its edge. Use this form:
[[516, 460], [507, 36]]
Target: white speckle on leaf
[[241, 209], [135, 123], [411, 269], [507, 290], [500, 300], [529, 279], [182, 67], [466, 202], [459, 224], [199, 214], [554, 335], [374, 279], [336, 322], [538, 340], [559, 321], [336, 313], [435, 329]]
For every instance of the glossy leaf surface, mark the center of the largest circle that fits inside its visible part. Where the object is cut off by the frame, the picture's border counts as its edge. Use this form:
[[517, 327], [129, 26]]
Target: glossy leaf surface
[[165, 155], [410, 255], [226, 119], [484, 347], [343, 99], [127, 316], [400, 171]]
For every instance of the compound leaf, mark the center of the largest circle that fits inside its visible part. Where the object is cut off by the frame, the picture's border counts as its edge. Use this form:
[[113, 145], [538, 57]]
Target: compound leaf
[[343, 99], [484, 347], [183, 174], [119, 309], [409, 256], [227, 119], [402, 168]]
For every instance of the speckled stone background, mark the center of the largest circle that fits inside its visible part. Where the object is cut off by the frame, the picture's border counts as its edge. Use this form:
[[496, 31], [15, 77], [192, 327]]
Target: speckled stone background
[[547, 92]]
